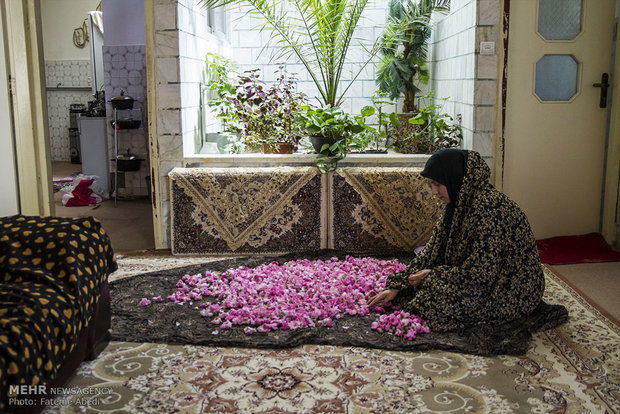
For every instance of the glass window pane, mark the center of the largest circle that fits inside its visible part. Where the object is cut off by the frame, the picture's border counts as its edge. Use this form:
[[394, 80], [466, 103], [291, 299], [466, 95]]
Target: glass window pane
[[559, 19], [556, 77]]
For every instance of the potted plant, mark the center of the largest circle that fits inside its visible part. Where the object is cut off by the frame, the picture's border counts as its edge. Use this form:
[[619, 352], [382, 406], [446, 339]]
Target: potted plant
[[269, 113], [404, 51], [384, 120], [429, 131], [219, 79], [330, 130]]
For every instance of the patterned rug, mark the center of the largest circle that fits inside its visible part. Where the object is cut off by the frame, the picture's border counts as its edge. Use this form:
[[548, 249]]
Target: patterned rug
[[246, 210], [380, 209], [574, 368]]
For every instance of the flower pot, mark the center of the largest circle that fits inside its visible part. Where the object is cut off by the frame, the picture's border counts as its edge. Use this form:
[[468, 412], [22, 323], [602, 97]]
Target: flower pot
[[278, 148], [318, 142]]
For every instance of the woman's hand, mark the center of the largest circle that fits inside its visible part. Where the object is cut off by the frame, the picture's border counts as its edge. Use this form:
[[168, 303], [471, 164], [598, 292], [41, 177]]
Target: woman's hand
[[416, 278], [383, 297]]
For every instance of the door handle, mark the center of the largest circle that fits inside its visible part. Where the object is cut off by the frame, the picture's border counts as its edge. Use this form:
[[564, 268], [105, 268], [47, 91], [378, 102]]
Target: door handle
[[604, 85]]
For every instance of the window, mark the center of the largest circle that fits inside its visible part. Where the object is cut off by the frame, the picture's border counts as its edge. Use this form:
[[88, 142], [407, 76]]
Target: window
[[217, 20]]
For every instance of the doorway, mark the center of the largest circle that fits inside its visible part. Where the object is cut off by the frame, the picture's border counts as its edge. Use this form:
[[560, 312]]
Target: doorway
[[79, 126]]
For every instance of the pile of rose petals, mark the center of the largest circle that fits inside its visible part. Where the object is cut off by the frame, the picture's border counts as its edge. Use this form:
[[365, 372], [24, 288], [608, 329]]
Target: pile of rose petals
[[293, 295]]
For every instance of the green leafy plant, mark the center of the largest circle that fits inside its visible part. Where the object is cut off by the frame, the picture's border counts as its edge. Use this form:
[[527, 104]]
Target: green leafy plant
[[429, 131], [404, 50], [220, 81], [384, 120], [331, 130], [317, 33], [268, 114]]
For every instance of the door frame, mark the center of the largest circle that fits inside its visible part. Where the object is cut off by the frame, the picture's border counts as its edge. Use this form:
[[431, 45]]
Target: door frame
[[26, 78], [611, 173]]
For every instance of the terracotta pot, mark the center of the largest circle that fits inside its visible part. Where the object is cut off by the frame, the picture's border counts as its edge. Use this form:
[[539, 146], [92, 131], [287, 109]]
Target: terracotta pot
[[278, 148]]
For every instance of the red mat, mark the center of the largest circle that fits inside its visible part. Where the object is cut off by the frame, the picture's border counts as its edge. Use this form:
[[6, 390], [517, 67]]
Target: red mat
[[586, 248]]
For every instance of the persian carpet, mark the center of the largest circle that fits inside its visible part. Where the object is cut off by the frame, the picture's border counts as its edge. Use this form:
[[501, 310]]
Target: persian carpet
[[574, 368], [246, 210], [585, 248], [172, 323], [380, 209]]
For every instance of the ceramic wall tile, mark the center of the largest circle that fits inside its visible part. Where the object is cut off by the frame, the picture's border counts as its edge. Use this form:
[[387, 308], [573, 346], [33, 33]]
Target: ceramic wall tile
[[167, 70], [485, 92], [125, 74], [485, 118], [60, 74], [488, 12], [166, 16]]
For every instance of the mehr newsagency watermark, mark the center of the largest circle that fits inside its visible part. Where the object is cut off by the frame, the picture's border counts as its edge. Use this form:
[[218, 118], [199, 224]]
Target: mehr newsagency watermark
[[42, 395]]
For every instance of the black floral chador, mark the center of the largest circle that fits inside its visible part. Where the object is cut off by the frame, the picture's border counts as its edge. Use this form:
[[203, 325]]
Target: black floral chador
[[484, 263]]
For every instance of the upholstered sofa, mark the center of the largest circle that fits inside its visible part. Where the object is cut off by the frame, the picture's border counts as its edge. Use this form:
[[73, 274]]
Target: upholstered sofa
[[54, 304]]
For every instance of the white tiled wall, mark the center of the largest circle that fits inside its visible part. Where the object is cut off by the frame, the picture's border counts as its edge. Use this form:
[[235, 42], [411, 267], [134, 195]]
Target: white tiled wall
[[64, 73], [461, 74], [248, 51], [182, 43]]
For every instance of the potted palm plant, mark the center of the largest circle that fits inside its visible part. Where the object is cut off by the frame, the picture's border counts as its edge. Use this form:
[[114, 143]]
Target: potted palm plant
[[319, 34], [405, 48]]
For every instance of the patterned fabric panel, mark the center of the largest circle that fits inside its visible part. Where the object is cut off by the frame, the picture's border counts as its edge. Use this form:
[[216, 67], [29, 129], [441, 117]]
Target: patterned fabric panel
[[246, 210], [381, 209], [51, 272]]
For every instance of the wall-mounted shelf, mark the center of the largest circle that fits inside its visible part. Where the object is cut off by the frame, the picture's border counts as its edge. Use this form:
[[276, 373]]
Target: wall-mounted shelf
[[69, 88]]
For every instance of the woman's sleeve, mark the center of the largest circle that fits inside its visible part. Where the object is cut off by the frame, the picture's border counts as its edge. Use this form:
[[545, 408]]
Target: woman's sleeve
[[400, 280], [477, 272]]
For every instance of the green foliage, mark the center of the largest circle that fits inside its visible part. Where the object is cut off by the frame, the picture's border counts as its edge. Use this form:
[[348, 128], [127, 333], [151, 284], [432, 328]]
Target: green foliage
[[268, 114], [384, 120], [317, 33], [428, 131], [334, 124], [404, 49], [330, 122], [220, 80]]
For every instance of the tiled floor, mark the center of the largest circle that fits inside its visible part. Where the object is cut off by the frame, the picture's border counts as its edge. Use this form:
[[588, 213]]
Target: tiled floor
[[129, 224]]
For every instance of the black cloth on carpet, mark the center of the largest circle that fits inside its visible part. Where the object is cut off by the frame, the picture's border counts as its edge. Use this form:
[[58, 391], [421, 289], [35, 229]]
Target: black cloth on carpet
[[172, 323]]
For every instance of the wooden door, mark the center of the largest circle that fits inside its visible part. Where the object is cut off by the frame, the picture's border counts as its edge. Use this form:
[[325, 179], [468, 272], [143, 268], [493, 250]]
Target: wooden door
[[555, 128]]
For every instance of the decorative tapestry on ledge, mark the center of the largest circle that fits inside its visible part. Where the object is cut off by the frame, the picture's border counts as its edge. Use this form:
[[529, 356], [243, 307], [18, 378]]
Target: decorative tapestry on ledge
[[381, 209], [292, 209], [246, 210]]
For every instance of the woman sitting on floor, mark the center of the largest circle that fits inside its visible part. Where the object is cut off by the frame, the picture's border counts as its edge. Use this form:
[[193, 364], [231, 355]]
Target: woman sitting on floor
[[481, 264]]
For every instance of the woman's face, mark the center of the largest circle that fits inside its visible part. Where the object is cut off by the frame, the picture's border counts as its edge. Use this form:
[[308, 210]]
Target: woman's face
[[439, 190]]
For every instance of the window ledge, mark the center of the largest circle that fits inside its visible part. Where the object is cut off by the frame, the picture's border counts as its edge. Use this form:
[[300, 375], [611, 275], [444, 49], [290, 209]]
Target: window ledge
[[253, 159]]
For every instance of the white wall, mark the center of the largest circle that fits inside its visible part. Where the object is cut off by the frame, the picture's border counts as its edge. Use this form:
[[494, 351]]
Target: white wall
[[247, 43], [451, 62], [8, 183], [195, 41], [59, 19], [124, 22], [460, 73]]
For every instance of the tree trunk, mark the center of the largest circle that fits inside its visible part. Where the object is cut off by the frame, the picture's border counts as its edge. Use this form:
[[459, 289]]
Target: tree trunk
[[409, 103]]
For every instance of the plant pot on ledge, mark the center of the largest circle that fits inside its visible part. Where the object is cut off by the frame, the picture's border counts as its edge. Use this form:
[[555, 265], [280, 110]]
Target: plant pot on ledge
[[318, 142], [278, 148]]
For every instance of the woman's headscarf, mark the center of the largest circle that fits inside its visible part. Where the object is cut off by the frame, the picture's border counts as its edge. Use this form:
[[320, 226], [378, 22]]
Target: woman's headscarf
[[448, 167]]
